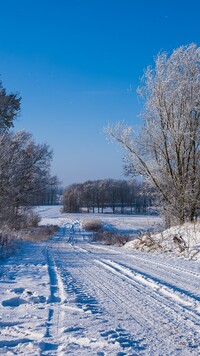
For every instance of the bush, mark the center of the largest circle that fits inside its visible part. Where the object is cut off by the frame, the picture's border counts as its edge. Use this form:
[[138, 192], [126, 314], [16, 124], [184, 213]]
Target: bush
[[110, 238], [147, 242], [93, 226], [8, 242], [30, 219], [104, 236], [40, 233], [9, 239], [152, 242], [24, 218]]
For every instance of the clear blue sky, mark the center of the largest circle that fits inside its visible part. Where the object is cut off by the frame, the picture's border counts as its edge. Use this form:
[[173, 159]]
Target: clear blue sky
[[74, 62]]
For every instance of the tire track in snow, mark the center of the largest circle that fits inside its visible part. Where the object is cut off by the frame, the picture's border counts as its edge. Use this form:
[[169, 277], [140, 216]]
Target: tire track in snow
[[166, 272], [150, 309], [164, 265], [167, 296], [181, 295], [118, 337], [163, 273], [160, 314], [81, 305], [139, 306], [169, 270], [129, 311], [55, 313]]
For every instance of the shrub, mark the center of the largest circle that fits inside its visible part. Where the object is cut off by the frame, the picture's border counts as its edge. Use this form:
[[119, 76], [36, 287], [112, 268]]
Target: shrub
[[152, 242], [147, 242], [93, 225], [8, 242], [110, 238], [40, 233], [30, 219]]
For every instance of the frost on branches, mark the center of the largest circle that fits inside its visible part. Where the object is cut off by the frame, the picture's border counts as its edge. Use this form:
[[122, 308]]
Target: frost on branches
[[24, 170], [166, 151], [9, 108], [24, 166]]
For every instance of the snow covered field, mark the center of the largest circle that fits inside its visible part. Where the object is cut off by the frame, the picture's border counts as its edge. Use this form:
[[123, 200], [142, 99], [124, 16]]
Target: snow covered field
[[132, 224], [68, 296]]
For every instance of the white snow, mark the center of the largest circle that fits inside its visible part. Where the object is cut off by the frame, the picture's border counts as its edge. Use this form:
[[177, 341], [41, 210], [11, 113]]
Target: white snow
[[132, 224], [181, 240], [69, 296]]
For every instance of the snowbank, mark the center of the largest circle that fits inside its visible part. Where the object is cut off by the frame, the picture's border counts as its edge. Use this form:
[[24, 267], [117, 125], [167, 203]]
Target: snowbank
[[181, 240]]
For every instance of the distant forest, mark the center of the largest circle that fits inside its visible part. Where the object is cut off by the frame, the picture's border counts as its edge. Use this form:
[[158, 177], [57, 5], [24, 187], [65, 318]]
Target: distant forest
[[51, 195], [117, 196]]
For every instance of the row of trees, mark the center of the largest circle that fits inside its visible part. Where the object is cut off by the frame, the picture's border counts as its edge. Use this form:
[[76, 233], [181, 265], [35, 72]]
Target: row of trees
[[51, 194], [166, 152], [118, 195], [24, 165]]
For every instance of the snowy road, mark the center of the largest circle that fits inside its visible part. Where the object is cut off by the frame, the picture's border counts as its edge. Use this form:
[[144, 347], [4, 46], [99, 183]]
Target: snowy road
[[60, 298]]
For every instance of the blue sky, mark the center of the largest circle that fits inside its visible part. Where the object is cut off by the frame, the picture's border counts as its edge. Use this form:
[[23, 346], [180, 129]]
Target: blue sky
[[74, 63]]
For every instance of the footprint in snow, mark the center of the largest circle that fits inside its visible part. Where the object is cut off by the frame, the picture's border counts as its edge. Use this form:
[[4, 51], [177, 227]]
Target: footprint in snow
[[13, 302], [18, 290], [31, 297], [123, 338], [37, 299], [76, 329]]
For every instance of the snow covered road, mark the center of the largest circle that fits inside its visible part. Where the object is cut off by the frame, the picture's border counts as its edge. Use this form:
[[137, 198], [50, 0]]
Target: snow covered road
[[59, 298]]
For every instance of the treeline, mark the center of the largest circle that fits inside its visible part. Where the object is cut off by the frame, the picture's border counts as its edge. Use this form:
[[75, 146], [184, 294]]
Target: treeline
[[118, 195], [51, 194]]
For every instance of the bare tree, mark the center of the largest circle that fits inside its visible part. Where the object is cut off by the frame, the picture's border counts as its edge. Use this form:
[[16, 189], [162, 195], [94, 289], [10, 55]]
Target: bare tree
[[166, 150]]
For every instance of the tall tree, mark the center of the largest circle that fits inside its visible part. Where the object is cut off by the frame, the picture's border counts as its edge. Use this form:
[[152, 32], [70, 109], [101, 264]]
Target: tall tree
[[24, 165], [167, 150], [9, 108], [24, 171]]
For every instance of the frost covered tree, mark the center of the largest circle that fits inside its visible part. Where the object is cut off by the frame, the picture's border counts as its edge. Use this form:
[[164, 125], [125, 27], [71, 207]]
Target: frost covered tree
[[24, 171], [72, 198], [167, 149], [9, 108], [106, 193], [50, 194], [24, 166]]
